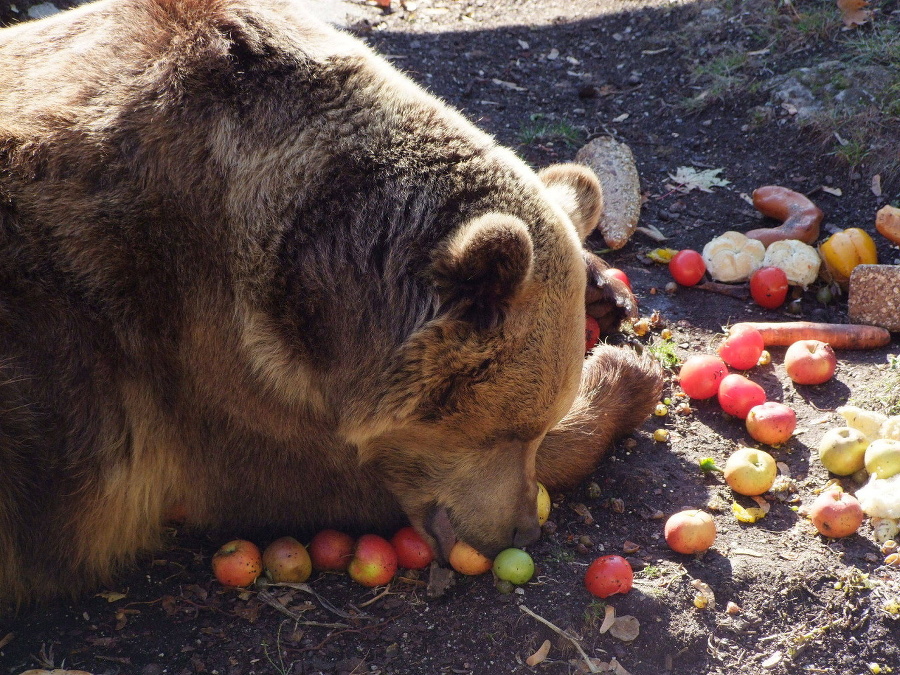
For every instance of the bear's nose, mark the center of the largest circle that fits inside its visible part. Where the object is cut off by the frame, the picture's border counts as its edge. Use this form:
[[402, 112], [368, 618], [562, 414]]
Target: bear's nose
[[524, 536]]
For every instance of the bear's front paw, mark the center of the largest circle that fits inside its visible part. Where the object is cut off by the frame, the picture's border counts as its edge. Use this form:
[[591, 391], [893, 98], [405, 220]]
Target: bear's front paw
[[607, 299]]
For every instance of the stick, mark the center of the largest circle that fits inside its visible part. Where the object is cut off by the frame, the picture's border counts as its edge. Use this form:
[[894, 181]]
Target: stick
[[587, 659]]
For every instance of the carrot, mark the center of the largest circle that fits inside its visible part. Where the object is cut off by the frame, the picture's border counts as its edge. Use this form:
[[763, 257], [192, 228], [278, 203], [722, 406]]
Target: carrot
[[838, 335], [801, 218]]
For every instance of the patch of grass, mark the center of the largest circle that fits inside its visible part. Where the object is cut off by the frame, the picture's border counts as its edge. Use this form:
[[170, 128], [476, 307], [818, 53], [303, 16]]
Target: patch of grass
[[594, 614], [719, 78], [561, 554], [852, 152], [543, 131], [650, 572], [664, 351]]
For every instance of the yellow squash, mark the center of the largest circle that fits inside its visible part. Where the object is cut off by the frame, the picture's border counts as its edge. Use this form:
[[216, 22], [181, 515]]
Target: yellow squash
[[844, 250]]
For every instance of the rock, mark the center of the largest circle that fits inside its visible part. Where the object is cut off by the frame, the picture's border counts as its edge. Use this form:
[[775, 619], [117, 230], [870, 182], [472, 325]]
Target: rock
[[874, 296], [42, 10], [614, 165]]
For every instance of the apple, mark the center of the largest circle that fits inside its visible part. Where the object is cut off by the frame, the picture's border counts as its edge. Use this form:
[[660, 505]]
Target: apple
[[513, 565], [835, 513], [690, 531], [749, 471], [738, 394], [591, 333], [237, 563], [331, 551], [615, 273], [810, 362], [842, 450], [465, 559], [413, 552], [543, 504], [287, 560], [608, 575], [374, 561], [771, 422], [883, 458], [742, 348], [701, 375]]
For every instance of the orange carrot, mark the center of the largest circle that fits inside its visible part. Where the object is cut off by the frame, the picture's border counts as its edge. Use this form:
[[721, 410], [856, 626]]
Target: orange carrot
[[838, 335]]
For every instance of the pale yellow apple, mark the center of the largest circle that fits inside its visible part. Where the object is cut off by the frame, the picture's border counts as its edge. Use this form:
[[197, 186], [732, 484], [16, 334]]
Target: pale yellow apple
[[750, 471], [842, 450], [883, 458]]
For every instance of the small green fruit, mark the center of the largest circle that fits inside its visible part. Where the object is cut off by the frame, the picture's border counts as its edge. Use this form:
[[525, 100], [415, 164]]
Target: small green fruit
[[513, 565]]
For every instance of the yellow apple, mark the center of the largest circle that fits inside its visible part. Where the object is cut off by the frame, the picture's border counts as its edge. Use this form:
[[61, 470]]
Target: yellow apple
[[842, 450], [883, 458], [750, 471]]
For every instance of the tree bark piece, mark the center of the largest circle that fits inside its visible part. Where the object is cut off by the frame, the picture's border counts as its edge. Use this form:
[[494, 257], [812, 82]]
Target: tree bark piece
[[614, 165]]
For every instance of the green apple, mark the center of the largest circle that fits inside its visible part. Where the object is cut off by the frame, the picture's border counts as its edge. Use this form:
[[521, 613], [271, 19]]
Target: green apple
[[749, 471], [883, 458], [843, 450]]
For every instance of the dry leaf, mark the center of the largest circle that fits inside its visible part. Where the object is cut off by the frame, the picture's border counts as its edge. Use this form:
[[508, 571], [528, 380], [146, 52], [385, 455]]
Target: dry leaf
[[608, 620], [689, 178], [837, 192], [705, 596], [854, 12], [539, 655], [626, 628], [111, 596], [6, 639], [762, 503]]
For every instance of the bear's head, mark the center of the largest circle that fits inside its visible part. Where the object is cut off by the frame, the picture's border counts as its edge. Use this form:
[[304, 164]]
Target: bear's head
[[476, 389]]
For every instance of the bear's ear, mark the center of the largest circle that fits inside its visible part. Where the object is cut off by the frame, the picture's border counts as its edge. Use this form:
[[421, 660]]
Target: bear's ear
[[576, 188], [479, 269]]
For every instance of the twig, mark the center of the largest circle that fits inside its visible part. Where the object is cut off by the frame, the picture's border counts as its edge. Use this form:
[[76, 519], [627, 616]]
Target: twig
[[741, 292], [307, 589], [270, 600], [376, 598], [587, 659]]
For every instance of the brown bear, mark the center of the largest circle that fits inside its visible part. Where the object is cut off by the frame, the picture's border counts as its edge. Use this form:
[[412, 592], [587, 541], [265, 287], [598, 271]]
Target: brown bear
[[250, 271]]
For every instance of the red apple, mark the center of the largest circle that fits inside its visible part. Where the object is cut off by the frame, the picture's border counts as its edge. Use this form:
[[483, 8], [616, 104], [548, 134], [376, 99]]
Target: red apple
[[374, 561], [771, 422], [616, 273], [742, 348], [737, 395], [701, 375], [331, 551], [810, 362], [237, 563], [835, 513], [413, 552], [287, 560], [690, 531], [749, 471], [591, 333]]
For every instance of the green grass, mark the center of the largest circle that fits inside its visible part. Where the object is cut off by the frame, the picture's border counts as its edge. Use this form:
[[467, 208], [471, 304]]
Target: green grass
[[562, 555], [538, 131], [664, 351]]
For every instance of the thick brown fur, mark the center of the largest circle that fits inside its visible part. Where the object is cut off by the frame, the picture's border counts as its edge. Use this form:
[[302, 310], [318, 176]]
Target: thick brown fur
[[250, 272]]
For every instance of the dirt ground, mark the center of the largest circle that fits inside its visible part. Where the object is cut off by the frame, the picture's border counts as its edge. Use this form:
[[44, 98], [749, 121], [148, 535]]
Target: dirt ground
[[545, 76]]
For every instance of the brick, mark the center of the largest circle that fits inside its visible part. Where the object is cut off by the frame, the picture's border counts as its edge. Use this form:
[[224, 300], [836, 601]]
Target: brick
[[874, 296]]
